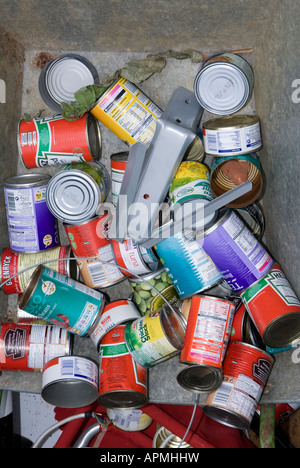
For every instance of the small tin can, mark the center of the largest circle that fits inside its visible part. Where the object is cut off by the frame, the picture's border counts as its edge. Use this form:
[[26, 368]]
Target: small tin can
[[240, 257], [129, 420], [232, 135], [12, 263], [31, 226], [70, 382], [227, 173], [205, 343], [118, 163], [147, 298], [123, 381], [274, 308], [113, 314], [246, 371], [62, 301], [189, 267], [224, 84], [27, 347], [133, 259], [75, 193], [156, 337], [127, 112], [253, 217], [50, 141]]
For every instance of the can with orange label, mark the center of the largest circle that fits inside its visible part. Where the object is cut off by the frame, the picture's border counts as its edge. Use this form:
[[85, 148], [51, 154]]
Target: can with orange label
[[118, 163], [205, 343]]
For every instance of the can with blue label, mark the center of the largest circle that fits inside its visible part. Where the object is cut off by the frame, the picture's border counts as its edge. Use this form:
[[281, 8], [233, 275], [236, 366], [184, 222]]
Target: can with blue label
[[60, 300]]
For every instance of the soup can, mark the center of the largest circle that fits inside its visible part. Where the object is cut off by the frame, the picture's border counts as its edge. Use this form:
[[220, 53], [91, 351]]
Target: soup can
[[134, 259], [224, 84], [127, 112], [205, 343], [274, 308], [129, 420], [31, 225], [118, 163], [75, 193], [70, 382], [123, 382], [50, 141], [246, 371], [27, 347], [62, 301], [240, 257], [156, 337], [146, 291], [13, 263], [189, 267], [232, 135]]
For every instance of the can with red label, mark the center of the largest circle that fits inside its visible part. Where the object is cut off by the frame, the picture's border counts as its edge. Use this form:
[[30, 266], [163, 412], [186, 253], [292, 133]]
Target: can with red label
[[239, 324], [133, 259], [123, 383], [118, 163], [205, 343], [246, 370], [54, 140], [274, 308]]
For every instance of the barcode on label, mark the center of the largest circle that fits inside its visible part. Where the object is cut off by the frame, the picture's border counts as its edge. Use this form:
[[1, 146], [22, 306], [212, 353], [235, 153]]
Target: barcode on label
[[67, 367], [97, 273], [212, 142], [223, 393], [11, 201]]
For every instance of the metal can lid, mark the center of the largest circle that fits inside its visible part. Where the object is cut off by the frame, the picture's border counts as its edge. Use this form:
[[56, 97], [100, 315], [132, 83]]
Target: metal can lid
[[93, 136], [231, 122], [122, 399], [200, 378], [31, 286], [62, 77], [226, 417], [282, 331], [27, 180]]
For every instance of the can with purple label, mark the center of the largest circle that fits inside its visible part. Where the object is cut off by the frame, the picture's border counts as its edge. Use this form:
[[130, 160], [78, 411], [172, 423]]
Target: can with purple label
[[237, 253]]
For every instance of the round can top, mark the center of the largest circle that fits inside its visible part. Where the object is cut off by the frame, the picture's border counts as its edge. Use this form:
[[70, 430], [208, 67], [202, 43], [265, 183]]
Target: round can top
[[27, 181], [231, 122], [62, 77]]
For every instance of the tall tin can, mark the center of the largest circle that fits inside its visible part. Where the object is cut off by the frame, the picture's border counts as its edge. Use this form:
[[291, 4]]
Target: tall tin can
[[54, 140], [118, 163], [31, 225]]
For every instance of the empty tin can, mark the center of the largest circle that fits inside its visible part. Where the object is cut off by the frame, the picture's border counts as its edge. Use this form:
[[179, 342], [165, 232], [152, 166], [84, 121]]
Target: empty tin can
[[123, 382], [75, 193], [54, 140], [246, 372], [118, 163], [31, 226], [70, 382], [205, 343], [133, 259], [224, 84]]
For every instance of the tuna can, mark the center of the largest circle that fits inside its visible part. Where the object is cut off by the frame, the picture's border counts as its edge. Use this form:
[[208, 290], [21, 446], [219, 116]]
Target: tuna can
[[62, 301], [113, 314], [13, 263], [237, 253], [224, 84], [232, 135], [89, 239], [246, 370], [189, 267], [274, 308], [54, 140], [75, 193], [129, 420], [156, 337], [31, 226], [147, 298], [118, 163], [27, 347], [227, 173], [205, 343], [123, 381], [127, 112], [130, 256], [70, 382]]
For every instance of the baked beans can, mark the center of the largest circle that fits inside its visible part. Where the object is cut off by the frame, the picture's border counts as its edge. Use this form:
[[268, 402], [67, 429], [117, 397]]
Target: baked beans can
[[70, 381], [127, 112], [246, 370], [240, 257], [31, 225], [205, 343], [129, 420], [156, 337], [27, 347], [113, 314], [13, 263], [54, 140], [123, 382], [134, 259], [93, 251], [224, 83], [75, 193], [229, 172], [118, 163], [274, 308], [62, 301], [187, 264]]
